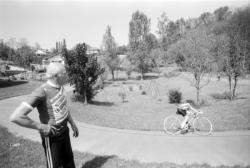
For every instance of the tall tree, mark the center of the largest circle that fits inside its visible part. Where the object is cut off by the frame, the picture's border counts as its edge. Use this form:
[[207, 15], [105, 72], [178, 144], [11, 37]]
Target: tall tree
[[83, 71], [232, 46], [139, 27], [222, 13], [110, 51], [169, 31], [4, 50]]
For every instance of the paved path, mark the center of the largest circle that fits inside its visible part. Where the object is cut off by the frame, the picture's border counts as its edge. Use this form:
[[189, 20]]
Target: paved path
[[227, 148]]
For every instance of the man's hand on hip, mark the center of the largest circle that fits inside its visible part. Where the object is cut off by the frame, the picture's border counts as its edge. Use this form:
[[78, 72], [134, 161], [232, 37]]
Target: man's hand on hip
[[46, 129]]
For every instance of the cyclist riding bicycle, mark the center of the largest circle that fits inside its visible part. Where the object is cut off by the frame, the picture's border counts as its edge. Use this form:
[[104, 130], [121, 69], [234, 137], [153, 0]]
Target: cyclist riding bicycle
[[186, 110]]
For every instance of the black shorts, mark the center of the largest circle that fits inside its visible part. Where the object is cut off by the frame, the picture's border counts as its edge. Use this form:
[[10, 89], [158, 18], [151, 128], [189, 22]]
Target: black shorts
[[58, 151], [181, 112]]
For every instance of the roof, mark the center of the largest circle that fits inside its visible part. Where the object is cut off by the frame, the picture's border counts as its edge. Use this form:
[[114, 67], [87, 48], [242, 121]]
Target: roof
[[40, 52]]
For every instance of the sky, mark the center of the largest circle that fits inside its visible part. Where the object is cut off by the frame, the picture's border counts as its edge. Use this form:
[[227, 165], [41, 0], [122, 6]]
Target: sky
[[46, 22]]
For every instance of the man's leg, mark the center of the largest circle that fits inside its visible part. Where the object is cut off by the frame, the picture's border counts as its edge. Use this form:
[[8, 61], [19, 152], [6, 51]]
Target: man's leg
[[184, 122], [52, 150], [67, 158]]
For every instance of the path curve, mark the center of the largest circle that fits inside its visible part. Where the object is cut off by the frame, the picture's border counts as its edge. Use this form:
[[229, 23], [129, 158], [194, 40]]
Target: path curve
[[221, 148]]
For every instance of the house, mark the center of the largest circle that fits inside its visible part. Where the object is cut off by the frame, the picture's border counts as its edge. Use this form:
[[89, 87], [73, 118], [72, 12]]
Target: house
[[40, 53], [59, 58]]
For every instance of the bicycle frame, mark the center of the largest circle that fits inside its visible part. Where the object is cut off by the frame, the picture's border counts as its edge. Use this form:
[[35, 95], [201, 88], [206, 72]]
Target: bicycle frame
[[192, 118]]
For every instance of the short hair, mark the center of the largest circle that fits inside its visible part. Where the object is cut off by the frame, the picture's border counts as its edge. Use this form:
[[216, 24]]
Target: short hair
[[54, 68]]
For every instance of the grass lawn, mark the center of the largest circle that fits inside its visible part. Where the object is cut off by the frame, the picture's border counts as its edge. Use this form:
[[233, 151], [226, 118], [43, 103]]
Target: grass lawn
[[16, 88], [16, 152], [144, 112]]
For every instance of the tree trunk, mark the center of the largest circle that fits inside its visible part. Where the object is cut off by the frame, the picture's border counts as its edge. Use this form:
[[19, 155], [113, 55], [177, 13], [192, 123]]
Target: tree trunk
[[141, 75], [230, 86], [197, 89], [198, 96], [235, 84], [85, 97], [113, 75]]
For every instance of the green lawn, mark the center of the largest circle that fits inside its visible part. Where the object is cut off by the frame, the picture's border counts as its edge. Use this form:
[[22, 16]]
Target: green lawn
[[16, 152], [16, 88], [144, 112]]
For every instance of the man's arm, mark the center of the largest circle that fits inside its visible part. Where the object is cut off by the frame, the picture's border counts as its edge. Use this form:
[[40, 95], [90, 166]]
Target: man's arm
[[20, 117], [193, 109], [73, 125]]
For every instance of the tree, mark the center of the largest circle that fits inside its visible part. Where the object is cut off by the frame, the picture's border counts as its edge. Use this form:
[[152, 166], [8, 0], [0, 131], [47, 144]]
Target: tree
[[151, 42], [4, 50], [83, 71], [110, 51], [194, 55], [232, 47], [139, 27], [140, 58], [222, 13], [206, 18], [157, 57], [241, 21], [169, 31], [25, 55], [122, 50], [162, 25]]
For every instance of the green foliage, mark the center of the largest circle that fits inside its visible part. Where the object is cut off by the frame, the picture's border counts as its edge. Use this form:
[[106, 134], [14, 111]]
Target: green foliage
[[140, 58], [141, 42], [22, 55], [222, 13], [139, 27], [122, 50], [174, 96], [4, 51], [83, 71], [169, 31], [110, 51]]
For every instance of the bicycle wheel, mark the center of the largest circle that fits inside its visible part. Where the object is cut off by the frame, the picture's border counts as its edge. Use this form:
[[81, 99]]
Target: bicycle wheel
[[172, 125], [202, 126]]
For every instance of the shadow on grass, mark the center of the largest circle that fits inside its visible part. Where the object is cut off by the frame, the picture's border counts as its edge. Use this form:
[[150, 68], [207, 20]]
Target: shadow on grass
[[242, 97], [98, 103], [6, 83], [97, 162], [147, 77]]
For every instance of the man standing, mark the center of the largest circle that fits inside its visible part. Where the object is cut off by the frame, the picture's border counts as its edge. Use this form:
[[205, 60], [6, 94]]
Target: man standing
[[51, 103]]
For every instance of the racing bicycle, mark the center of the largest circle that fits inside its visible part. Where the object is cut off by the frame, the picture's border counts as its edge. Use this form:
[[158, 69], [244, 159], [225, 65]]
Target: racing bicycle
[[197, 123]]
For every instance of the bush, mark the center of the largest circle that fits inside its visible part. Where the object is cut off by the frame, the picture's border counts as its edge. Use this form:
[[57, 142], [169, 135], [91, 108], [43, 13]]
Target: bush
[[174, 96], [225, 95]]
